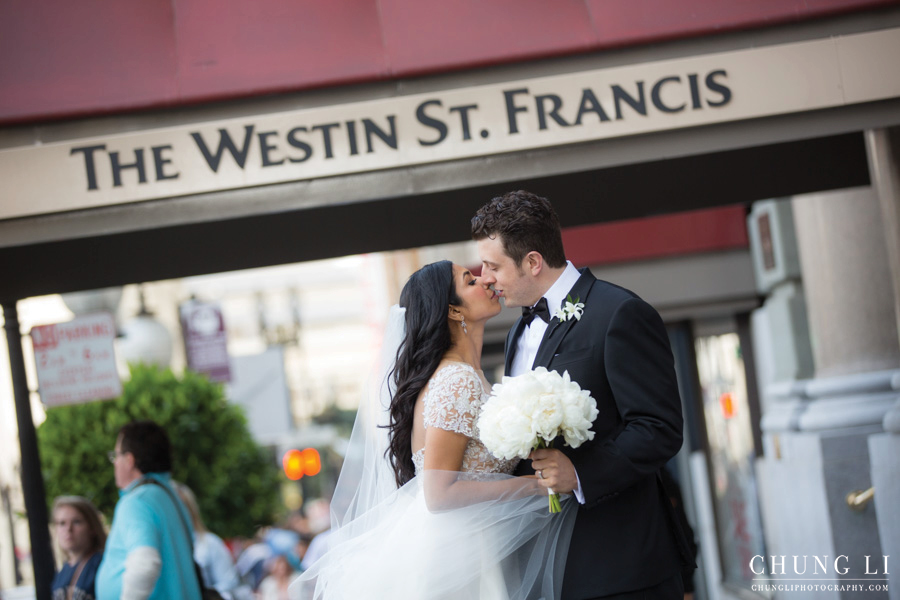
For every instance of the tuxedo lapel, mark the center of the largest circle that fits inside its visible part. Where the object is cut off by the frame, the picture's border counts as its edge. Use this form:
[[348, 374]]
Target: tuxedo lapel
[[511, 344], [557, 330]]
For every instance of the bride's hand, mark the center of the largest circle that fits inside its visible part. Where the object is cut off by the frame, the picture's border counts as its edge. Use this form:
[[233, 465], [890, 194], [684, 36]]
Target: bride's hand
[[533, 485]]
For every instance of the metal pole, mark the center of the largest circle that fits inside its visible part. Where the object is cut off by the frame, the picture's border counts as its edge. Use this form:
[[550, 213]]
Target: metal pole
[[7, 508], [32, 480]]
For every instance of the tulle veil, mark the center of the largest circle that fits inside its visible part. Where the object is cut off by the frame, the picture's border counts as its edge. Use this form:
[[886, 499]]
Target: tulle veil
[[395, 543]]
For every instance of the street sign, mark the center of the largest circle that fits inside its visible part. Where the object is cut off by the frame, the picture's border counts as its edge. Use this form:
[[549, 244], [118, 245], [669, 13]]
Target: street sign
[[205, 342], [76, 360]]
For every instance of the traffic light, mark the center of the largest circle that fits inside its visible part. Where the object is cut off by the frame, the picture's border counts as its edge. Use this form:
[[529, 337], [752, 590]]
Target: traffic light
[[312, 462], [726, 401], [298, 463]]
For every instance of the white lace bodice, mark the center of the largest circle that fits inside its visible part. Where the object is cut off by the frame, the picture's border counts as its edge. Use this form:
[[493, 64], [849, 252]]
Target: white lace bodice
[[453, 402]]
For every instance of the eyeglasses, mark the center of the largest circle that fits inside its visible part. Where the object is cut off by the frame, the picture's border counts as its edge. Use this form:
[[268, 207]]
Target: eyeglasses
[[112, 455]]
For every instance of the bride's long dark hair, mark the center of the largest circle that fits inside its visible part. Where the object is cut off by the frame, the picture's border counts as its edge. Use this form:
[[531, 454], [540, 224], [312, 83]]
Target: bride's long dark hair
[[427, 297]]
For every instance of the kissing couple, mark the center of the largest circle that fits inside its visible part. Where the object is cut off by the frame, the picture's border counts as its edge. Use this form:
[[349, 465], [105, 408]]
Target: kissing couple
[[423, 510]]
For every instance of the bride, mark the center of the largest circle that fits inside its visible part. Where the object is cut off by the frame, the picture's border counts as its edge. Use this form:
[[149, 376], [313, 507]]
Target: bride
[[422, 510]]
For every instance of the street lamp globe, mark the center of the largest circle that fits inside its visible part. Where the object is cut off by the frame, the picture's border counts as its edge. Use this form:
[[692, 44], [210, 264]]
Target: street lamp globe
[[145, 340]]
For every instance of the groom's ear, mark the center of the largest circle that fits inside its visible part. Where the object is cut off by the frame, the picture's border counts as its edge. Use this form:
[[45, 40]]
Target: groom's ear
[[533, 263]]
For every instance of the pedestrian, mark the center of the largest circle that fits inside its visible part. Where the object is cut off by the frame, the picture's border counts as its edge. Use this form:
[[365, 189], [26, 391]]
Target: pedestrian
[[275, 586], [148, 553], [210, 552], [81, 537]]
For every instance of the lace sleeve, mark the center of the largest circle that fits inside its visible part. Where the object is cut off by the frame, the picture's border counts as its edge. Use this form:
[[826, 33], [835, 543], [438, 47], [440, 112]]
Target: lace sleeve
[[454, 398]]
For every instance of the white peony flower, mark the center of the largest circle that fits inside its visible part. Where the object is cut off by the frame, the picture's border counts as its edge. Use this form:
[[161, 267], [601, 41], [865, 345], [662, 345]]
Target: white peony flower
[[531, 410], [547, 419], [505, 430], [536, 406]]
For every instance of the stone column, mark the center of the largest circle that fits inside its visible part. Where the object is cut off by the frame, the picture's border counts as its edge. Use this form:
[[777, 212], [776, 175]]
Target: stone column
[[850, 299], [780, 326], [884, 165], [849, 290], [821, 453], [884, 168]]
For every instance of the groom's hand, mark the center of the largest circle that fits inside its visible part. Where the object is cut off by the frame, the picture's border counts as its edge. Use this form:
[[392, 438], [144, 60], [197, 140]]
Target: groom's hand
[[554, 470]]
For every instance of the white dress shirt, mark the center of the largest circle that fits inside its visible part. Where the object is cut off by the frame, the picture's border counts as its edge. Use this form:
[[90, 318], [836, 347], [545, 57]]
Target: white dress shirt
[[530, 340], [528, 343]]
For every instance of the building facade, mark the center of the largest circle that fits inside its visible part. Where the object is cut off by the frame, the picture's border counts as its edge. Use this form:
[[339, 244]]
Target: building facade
[[734, 164]]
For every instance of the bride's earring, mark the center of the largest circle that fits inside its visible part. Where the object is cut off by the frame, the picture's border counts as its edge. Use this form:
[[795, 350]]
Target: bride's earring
[[463, 323]]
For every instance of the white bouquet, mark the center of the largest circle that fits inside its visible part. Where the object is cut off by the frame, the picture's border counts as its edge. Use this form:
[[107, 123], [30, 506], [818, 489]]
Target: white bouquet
[[528, 412]]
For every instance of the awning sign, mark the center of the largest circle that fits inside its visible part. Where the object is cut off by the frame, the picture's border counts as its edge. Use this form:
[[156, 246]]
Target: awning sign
[[462, 123]]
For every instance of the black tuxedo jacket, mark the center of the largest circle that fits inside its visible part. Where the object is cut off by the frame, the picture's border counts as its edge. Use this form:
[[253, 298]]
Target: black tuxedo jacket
[[624, 538]]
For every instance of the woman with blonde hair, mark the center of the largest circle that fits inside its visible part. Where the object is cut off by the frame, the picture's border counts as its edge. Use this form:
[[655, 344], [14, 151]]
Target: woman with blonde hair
[[210, 552], [81, 537]]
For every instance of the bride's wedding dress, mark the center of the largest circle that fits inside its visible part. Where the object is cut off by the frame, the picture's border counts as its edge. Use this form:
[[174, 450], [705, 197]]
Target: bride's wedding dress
[[495, 541], [453, 401]]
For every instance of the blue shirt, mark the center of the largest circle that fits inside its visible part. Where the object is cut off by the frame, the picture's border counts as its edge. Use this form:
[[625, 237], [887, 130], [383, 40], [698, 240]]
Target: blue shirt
[[84, 587], [148, 515]]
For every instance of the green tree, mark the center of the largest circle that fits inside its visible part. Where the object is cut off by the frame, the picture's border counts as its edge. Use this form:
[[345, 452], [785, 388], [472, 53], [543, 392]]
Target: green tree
[[236, 482]]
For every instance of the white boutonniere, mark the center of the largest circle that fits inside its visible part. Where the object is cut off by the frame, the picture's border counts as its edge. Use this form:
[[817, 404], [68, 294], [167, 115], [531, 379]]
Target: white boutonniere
[[573, 309]]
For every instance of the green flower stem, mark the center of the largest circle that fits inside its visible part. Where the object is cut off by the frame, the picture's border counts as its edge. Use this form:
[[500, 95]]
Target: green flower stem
[[555, 506]]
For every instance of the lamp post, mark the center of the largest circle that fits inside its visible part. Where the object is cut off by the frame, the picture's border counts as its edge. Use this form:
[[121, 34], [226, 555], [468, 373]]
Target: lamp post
[[32, 480]]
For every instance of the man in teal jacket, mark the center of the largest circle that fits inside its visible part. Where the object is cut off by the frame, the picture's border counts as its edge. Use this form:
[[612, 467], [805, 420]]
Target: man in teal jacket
[[149, 550]]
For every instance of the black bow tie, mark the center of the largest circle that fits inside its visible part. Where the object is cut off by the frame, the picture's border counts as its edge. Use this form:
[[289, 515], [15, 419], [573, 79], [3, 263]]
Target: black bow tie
[[538, 310]]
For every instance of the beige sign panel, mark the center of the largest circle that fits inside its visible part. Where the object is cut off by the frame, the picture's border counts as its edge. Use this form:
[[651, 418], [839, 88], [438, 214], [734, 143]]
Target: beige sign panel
[[450, 125]]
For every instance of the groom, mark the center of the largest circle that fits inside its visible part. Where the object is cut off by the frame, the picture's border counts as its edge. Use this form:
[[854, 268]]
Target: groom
[[625, 544]]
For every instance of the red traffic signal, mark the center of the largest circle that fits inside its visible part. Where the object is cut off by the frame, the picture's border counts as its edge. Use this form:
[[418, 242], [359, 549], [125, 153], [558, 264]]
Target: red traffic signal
[[298, 463]]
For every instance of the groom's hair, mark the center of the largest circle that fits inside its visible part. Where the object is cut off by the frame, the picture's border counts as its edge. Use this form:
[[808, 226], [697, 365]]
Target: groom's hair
[[525, 223]]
